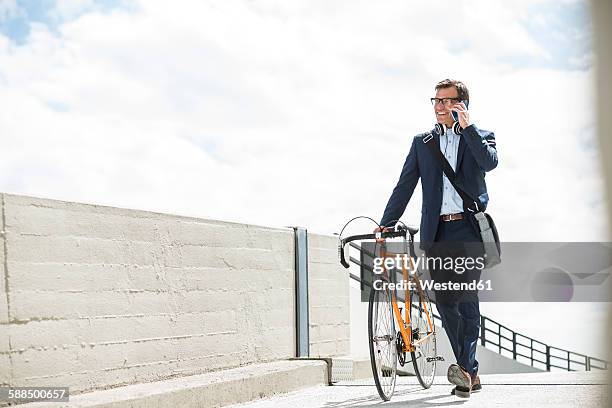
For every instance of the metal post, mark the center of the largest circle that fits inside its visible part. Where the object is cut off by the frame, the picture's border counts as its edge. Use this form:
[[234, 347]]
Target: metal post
[[483, 331], [362, 278], [587, 363], [568, 361], [301, 291], [547, 358], [514, 345], [531, 352]]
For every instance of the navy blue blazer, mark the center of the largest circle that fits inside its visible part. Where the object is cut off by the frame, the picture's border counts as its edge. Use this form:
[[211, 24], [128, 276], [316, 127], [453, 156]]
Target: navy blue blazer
[[476, 155]]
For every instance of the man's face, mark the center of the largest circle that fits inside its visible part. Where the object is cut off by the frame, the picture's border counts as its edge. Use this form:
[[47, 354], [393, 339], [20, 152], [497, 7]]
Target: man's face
[[442, 110]]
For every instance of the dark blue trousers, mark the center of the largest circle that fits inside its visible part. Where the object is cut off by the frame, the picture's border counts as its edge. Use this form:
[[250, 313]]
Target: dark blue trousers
[[459, 310]]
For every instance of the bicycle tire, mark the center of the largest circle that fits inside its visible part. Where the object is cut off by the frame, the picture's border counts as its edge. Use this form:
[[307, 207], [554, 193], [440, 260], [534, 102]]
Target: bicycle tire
[[424, 369], [382, 336]]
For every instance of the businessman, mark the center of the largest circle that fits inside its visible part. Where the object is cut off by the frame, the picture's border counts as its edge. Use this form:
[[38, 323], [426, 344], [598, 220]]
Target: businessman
[[447, 226]]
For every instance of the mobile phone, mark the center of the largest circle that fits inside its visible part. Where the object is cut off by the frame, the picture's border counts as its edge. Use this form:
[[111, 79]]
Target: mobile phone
[[456, 115]]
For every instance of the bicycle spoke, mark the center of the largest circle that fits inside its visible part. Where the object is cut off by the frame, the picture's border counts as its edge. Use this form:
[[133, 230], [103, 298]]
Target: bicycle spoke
[[423, 357], [383, 350]]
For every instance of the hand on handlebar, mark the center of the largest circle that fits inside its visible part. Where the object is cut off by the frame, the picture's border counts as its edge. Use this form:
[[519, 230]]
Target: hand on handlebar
[[381, 229], [396, 232]]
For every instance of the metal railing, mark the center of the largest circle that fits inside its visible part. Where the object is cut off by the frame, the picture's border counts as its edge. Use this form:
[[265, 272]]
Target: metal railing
[[509, 343], [538, 354]]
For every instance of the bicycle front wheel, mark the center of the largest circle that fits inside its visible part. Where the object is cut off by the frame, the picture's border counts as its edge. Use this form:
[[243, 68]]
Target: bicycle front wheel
[[423, 337], [382, 336]]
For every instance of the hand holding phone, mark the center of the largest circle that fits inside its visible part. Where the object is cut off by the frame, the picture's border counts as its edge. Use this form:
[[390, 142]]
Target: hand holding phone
[[461, 114]]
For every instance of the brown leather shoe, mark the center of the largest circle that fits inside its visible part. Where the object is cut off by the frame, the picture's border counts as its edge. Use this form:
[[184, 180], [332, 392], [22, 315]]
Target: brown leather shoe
[[463, 381], [476, 386]]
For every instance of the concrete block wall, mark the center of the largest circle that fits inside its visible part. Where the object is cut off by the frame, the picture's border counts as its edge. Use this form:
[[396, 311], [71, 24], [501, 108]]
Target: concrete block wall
[[328, 294], [93, 296], [5, 364]]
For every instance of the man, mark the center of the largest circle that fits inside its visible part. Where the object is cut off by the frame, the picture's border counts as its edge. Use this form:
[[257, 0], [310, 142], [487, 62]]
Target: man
[[446, 219]]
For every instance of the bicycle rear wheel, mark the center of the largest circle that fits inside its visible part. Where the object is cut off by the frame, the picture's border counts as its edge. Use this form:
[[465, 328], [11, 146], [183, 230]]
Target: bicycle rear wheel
[[423, 327], [382, 338]]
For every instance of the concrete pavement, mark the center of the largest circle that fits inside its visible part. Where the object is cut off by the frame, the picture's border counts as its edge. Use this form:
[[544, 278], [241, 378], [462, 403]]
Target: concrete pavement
[[563, 389]]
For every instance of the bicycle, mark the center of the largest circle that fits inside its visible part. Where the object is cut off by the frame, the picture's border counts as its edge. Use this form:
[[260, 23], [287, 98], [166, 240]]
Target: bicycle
[[417, 332]]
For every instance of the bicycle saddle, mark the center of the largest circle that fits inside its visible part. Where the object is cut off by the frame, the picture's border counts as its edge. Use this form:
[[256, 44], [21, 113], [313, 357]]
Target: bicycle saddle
[[412, 230]]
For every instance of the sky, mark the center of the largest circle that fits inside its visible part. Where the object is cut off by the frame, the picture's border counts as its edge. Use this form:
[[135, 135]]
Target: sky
[[300, 113]]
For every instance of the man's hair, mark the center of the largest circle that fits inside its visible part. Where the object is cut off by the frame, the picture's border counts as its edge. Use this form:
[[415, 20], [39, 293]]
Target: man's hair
[[462, 90]]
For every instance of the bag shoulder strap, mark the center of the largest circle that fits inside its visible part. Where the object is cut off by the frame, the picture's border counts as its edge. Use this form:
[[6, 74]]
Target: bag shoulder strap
[[450, 174]]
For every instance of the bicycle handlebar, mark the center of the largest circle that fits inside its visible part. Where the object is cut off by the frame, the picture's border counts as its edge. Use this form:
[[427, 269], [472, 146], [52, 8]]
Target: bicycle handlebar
[[399, 232]]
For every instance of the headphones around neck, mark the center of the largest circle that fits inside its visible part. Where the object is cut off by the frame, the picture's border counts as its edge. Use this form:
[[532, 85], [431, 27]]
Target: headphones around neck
[[441, 128]]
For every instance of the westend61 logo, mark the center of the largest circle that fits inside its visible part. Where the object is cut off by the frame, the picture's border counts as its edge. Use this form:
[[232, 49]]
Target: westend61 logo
[[406, 262], [429, 285]]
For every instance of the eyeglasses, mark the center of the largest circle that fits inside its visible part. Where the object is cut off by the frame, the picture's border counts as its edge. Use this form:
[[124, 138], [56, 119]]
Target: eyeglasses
[[444, 101]]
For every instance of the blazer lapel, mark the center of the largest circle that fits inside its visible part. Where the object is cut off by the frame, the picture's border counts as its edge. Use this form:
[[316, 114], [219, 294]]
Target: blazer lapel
[[437, 167], [460, 153]]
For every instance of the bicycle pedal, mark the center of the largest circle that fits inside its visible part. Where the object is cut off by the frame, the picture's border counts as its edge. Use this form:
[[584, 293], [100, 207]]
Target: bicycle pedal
[[436, 358]]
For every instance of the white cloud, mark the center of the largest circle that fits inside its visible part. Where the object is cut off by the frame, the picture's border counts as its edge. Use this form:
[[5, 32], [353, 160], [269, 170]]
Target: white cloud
[[291, 113], [68, 9]]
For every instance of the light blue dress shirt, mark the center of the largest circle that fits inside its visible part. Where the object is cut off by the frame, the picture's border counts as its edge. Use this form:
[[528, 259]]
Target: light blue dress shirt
[[451, 200]]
